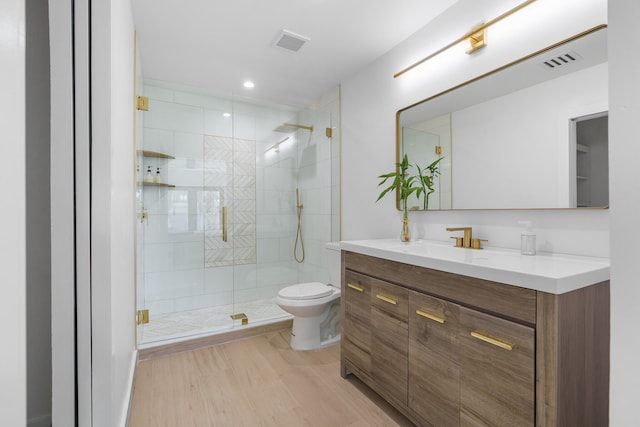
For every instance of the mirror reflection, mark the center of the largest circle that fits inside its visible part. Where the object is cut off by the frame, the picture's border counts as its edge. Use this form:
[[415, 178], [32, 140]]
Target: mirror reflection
[[532, 134], [424, 143]]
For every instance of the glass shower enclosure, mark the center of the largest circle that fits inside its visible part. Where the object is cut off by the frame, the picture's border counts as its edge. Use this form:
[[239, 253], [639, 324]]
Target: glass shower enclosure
[[217, 179]]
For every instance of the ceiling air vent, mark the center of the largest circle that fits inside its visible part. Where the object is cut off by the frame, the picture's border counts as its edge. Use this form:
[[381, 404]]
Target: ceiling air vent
[[560, 60], [290, 41]]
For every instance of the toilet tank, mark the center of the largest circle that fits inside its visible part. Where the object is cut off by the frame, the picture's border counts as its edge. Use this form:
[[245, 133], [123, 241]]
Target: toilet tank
[[333, 263]]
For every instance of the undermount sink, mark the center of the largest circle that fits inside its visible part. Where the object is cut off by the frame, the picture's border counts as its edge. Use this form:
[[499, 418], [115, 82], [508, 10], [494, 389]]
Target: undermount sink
[[547, 272]]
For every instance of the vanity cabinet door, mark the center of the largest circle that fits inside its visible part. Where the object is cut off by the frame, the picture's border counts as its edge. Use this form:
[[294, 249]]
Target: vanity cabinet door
[[434, 372], [389, 340], [497, 371], [356, 333]]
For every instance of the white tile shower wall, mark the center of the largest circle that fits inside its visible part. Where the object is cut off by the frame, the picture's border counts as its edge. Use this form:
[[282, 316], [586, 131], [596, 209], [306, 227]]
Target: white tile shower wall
[[230, 161], [218, 252], [244, 202], [158, 257], [160, 140], [174, 284], [173, 234], [159, 93], [218, 279], [175, 228], [171, 116], [217, 123]]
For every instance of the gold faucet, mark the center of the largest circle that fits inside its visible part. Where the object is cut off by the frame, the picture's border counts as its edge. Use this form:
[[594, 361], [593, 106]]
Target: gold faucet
[[464, 241]]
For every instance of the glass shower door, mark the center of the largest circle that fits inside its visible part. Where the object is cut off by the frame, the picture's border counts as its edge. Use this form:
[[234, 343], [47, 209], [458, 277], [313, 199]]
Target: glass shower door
[[217, 242]]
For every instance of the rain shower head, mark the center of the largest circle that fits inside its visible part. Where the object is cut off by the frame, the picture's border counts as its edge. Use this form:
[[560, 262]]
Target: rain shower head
[[292, 127]]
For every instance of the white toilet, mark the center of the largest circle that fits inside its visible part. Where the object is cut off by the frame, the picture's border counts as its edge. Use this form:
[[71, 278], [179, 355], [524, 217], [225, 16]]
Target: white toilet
[[315, 307]]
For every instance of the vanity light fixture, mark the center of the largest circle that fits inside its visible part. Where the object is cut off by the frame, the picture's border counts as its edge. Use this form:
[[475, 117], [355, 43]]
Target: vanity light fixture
[[476, 38]]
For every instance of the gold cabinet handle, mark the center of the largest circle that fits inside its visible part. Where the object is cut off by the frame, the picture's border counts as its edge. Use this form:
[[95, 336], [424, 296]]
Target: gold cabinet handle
[[356, 287], [493, 341], [430, 316], [224, 223], [386, 299]]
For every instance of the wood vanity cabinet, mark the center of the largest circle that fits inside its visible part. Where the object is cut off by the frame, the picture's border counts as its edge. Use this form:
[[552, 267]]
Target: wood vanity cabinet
[[452, 350]]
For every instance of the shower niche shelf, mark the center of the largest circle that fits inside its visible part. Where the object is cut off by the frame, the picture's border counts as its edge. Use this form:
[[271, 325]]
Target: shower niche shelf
[[147, 153], [157, 184], [157, 155]]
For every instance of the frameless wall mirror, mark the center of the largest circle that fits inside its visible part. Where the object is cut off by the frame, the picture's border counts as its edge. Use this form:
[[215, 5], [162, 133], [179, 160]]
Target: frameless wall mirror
[[529, 135]]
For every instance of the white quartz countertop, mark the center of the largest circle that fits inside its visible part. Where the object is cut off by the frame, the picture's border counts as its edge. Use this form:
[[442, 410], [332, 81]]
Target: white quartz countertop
[[546, 272]]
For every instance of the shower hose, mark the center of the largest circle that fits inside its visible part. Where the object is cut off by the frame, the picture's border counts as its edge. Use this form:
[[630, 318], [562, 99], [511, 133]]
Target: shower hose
[[299, 231]]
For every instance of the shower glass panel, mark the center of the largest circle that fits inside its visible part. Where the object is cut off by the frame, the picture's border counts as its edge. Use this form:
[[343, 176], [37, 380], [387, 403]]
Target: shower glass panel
[[219, 176]]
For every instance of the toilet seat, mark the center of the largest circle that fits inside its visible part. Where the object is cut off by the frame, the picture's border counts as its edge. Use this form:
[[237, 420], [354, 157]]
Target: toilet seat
[[302, 291]]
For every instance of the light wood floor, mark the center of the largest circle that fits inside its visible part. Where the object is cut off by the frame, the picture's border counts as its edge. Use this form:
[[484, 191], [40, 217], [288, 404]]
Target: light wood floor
[[257, 381]]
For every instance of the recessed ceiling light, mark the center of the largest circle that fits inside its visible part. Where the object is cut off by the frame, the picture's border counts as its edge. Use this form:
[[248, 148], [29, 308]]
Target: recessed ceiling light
[[248, 84], [226, 114]]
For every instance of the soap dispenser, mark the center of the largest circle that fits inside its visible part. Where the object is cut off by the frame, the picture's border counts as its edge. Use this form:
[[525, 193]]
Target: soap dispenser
[[148, 177], [527, 239]]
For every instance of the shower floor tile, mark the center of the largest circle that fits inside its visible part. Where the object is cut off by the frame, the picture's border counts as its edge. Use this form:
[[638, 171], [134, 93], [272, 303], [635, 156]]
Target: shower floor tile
[[205, 321]]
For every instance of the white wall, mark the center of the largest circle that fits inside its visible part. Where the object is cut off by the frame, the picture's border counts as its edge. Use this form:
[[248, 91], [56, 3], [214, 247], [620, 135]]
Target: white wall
[[624, 152], [113, 211], [371, 98], [13, 407]]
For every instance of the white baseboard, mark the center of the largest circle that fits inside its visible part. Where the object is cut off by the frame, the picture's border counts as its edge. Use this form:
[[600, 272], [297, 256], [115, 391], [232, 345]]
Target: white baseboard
[[126, 407], [41, 421]]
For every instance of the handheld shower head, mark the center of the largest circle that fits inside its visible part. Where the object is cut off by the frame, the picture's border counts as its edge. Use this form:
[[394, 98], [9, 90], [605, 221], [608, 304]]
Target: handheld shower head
[[298, 205], [299, 231]]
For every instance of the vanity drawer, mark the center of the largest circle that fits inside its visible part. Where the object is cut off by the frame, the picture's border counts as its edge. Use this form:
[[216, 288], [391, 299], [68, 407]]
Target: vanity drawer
[[497, 371], [390, 299], [356, 295]]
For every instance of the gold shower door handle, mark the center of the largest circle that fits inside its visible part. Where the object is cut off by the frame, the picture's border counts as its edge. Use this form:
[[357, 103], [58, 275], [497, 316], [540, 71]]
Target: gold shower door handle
[[224, 223]]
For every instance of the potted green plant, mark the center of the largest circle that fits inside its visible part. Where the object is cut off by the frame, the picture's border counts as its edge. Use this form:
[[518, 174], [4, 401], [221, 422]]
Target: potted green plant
[[426, 178], [406, 184]]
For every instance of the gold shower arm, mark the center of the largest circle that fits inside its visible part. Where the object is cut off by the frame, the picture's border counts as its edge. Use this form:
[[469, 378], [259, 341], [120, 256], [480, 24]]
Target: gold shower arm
[[297, 126]]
